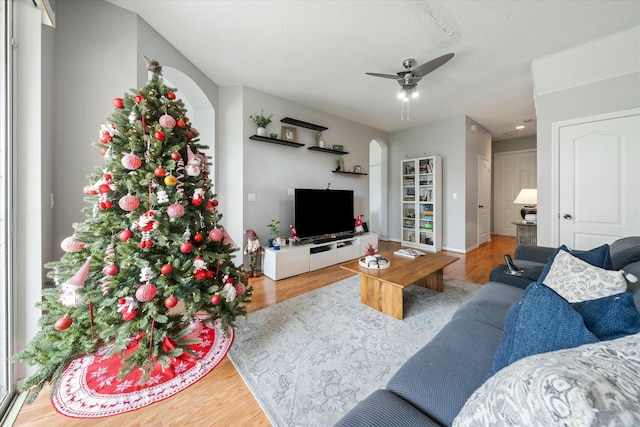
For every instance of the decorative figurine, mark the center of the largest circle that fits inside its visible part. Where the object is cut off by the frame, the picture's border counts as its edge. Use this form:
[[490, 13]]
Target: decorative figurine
[[359, 228], [253, 249]]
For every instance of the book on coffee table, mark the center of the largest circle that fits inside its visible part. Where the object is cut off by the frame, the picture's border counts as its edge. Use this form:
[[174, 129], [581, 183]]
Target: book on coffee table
[[409, 252]]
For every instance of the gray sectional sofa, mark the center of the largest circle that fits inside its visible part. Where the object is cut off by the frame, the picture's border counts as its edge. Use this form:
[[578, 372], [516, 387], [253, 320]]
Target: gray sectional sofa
[[432, 387]]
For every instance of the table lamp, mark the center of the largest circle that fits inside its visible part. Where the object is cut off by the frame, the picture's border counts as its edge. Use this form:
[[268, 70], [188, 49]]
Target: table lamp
[[529, 198]]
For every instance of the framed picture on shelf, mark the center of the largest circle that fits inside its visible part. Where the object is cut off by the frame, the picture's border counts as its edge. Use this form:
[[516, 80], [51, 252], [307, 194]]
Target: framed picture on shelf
[[289, 133], [356, 169]]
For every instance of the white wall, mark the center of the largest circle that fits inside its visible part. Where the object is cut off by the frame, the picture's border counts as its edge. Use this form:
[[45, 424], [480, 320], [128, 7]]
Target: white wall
[[271, 169], [514, 144], [230, 165], [445, 138], [459, 147], [615, 87], [94, 63]]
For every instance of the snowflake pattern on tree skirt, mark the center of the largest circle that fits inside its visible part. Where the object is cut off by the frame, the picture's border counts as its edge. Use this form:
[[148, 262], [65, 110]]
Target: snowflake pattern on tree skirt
[[89, 387]]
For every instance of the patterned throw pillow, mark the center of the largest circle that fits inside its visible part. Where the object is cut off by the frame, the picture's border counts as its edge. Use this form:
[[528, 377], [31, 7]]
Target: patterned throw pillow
[[599, 257], [595, 384], [576, 280]]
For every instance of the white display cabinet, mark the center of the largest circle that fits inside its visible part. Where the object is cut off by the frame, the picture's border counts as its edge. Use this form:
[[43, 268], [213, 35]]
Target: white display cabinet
[[421, 206]]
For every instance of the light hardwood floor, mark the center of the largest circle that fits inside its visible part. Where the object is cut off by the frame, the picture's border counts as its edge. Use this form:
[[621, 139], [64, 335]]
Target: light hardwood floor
[[221, 398]]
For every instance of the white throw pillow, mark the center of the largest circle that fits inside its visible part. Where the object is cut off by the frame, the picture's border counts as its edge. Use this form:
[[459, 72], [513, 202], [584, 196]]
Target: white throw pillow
[[576, 280], [591, 385]]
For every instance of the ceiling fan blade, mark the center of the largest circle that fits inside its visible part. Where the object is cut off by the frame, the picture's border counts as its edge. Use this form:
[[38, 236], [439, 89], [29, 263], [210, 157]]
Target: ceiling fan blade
[[386, 76], [428, 67]]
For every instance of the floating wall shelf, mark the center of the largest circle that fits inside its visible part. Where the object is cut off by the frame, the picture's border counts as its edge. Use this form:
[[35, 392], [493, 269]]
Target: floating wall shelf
[[302, 124], [276, 141], [327, 150], [349, 173]]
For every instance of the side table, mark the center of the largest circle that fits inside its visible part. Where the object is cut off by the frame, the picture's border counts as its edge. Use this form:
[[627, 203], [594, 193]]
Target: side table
[[527, 233]]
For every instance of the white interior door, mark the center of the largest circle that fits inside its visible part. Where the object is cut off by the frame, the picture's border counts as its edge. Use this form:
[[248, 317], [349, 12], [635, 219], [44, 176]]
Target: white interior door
[[512, 171], [484, 201], [599, 181]]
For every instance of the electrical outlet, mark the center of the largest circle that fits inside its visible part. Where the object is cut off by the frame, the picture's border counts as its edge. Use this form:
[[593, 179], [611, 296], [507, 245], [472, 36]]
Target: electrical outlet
[[251, 197]]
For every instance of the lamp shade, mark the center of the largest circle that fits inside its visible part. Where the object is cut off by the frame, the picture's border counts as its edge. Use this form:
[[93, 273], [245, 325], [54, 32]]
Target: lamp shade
[[527, 196]]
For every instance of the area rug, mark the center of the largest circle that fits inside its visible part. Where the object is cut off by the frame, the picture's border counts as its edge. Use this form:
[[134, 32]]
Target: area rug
[[88, 388], [310, 359]]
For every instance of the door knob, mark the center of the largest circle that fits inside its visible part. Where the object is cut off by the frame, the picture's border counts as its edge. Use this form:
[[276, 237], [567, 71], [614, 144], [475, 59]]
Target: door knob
[[567, 216], [481, 206]]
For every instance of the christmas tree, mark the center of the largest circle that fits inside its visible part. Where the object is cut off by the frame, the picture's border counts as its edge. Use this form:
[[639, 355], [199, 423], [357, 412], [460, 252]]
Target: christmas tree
[[151, 260]]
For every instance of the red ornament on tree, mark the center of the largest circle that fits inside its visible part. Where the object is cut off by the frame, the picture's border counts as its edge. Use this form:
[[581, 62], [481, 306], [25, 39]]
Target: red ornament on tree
[[176, 155], [166, 121], [170, 302], [111, 270], [129, 315], [181, 124], [198, 237], [159, 172], [159, 135], [131, 161], [117, 102], [71, 245], [216, 234], [139, 99], [240, 288], [129, 203], [171, 95], [175, 210], [146, 292], [126, 235], [63, 323], [166, 269], [105, 137], [215, 300], [186, 247]]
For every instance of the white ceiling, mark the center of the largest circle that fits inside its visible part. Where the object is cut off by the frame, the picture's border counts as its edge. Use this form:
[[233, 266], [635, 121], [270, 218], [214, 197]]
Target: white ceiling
[[316, 53]]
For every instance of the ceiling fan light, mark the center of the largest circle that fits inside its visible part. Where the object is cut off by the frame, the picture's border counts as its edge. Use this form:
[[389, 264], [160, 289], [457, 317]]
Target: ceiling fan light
[[415, 94]]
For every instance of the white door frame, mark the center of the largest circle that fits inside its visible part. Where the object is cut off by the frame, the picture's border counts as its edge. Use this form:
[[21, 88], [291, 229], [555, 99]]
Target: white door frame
[[555, 161]]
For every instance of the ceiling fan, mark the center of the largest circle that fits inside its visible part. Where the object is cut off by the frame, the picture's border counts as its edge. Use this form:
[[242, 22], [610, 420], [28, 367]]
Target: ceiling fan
[[408, 79]]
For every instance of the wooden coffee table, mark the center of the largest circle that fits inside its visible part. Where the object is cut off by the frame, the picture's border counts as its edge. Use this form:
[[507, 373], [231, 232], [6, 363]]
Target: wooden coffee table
[[382, 289]]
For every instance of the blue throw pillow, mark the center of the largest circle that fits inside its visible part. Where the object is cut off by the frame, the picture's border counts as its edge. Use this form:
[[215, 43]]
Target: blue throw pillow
[[599, 257], [610, 317], [541, 321]]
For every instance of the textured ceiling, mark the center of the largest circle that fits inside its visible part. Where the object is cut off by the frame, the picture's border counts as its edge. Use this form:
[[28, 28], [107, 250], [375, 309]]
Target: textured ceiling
[[316, 53]]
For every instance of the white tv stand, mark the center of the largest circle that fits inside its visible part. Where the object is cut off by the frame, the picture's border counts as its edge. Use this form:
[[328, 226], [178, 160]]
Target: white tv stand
[[292, 260]]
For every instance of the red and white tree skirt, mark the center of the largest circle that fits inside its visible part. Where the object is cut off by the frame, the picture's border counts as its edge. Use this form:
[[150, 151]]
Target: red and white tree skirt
[[89, 386]]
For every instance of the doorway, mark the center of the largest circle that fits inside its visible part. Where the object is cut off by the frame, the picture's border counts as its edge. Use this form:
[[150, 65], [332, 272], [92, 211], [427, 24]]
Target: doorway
[[378, 217], [484, 200], [598, 196], [513, 171]]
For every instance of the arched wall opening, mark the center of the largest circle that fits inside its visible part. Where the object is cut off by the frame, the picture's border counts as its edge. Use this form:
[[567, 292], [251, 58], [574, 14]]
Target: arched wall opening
[[201, 112], [378, 167]]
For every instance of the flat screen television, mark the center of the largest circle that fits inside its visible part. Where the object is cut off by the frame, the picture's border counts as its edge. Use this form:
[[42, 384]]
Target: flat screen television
[[323, 212]]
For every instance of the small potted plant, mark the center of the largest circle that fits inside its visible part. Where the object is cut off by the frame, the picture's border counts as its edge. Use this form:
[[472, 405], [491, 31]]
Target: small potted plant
[[273, 227], [262, 122]]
